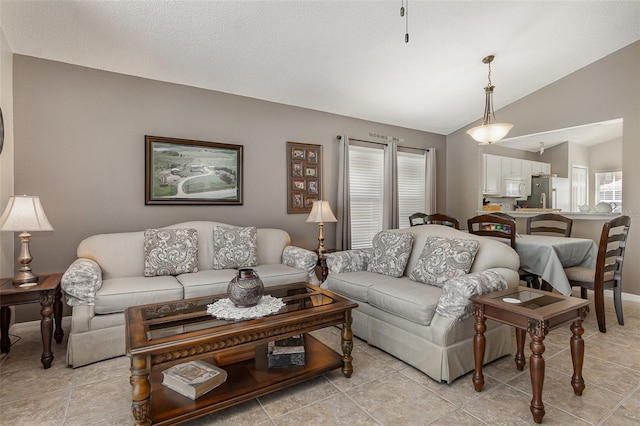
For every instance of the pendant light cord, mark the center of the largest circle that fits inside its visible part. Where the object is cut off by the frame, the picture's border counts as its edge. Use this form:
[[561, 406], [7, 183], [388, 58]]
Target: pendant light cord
[[404, 11]]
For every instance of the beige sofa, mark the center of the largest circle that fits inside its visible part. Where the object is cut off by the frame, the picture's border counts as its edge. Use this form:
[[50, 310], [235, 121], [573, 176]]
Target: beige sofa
[[401, 316], [108, 277]]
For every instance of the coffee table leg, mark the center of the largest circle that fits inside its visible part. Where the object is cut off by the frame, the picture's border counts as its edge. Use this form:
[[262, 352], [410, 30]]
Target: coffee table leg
[[141, 392], [5, 319], [347, 345], [57, 316], [479, 342], [520, 338], [537, 330], [577, 356], [46, 327]]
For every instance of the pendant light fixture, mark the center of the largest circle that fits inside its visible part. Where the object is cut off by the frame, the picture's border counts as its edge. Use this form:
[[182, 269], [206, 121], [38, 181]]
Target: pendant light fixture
[[489, 131]]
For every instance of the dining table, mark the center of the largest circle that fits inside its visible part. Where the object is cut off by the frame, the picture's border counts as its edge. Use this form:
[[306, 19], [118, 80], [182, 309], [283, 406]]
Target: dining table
[[547, 256]]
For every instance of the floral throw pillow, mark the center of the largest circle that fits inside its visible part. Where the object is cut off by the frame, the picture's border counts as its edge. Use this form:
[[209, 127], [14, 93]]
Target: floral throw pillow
[[170, 251], [391, 252], [234, 247], [443, 259]]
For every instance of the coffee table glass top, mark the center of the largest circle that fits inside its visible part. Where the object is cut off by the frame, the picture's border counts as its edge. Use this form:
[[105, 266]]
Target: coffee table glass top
[[529, 299], [163, 320]]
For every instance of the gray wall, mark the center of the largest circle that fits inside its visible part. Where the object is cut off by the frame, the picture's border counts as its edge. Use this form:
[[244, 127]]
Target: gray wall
[[79, 136], [605, 90]]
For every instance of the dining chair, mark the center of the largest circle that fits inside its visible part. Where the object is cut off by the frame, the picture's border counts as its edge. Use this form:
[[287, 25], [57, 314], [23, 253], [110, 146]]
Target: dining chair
[[492, 225], [549, 223], [501, 225], [503, 215], [608, 271], [443, 219], [418, 219]]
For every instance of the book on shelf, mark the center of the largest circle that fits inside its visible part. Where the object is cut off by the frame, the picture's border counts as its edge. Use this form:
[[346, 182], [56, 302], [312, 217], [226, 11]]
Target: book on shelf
[[194, 378], [286, 352]]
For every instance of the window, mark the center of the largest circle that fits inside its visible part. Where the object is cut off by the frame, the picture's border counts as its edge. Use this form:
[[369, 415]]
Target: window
[[609, 189], [367, 189], [411, 185]]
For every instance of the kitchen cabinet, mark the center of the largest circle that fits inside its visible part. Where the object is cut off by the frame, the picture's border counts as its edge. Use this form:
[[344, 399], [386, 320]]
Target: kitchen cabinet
[[539, 168], [511, 167], [491, 174], [526, 175], [496, 168]]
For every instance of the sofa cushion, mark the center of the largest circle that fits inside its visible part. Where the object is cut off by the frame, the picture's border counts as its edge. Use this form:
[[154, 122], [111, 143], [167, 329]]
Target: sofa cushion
[[405, 298], [117, 294], [170, 251], [234, 247], [444, 258], [454, 301], [391, 251], [354, 285]]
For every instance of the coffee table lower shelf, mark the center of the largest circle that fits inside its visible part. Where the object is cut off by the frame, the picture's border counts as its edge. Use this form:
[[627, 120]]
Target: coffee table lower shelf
[[246, 380]]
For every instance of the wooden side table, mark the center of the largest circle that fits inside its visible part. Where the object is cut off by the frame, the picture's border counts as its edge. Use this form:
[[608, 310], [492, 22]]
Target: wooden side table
[[322, 263], [49, 294], [536, 312]]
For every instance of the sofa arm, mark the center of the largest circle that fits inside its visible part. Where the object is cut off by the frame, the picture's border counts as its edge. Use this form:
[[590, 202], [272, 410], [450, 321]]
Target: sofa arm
[[348, 260], [454, 300], [300, 258], [81, 281]]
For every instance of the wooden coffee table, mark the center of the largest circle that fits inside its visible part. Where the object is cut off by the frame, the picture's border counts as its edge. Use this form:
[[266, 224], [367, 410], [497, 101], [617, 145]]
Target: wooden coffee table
[[48, 293], [164, 334], [536, 312]]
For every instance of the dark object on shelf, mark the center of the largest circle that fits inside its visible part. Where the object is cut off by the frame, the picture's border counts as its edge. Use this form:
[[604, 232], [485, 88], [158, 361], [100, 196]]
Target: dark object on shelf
[[286, 352], [246, 288]]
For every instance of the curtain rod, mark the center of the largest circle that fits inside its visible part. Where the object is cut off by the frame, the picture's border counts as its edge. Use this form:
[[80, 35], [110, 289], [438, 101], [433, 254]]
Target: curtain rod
[[339, 137]]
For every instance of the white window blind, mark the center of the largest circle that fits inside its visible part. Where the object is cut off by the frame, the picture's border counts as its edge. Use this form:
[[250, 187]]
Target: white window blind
[[609, 189], [411, 185], [366, 186]]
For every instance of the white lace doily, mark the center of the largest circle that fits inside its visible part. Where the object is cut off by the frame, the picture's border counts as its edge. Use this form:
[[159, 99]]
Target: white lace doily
[[225, 309]]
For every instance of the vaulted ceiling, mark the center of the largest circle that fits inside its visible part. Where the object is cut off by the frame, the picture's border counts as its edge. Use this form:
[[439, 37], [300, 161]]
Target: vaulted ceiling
[[343, 57]]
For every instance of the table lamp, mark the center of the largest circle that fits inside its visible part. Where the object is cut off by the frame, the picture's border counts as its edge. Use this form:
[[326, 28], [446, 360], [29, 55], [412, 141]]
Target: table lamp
[[320, 213], [24, 213]]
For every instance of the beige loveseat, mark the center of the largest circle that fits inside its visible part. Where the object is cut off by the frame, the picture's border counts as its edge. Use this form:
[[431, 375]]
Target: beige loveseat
[[414, 321], [109, 276]]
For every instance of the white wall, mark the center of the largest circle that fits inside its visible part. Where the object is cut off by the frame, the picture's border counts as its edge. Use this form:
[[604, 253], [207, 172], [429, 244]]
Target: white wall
[[605, 90]]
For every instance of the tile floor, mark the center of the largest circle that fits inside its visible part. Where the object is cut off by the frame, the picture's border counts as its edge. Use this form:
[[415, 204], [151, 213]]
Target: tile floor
[[382, 390]]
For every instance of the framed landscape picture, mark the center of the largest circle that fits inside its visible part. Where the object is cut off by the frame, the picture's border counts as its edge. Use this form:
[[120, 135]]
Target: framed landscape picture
[[181, 171], [304, 176]]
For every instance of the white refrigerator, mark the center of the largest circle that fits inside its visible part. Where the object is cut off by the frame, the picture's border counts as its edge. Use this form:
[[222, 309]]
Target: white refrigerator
[[550, 192]]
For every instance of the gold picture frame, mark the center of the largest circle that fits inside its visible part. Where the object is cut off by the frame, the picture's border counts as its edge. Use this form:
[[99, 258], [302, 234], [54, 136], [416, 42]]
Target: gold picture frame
[[304, 176]]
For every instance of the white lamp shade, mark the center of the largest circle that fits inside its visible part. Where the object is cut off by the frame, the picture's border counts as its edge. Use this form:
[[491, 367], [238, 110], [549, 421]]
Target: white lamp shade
[[488, 133], [24, 213], [321, 212]]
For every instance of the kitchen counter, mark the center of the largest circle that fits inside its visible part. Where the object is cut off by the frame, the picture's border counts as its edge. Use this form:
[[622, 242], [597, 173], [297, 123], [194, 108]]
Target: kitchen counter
[[570, 215]]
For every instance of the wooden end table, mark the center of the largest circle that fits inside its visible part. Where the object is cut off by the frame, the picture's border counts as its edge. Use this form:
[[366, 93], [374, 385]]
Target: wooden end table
[[536, 312], [49, 294]]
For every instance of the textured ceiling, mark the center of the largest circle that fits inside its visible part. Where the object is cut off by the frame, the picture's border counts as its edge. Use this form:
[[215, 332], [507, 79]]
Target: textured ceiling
[[344, 57]]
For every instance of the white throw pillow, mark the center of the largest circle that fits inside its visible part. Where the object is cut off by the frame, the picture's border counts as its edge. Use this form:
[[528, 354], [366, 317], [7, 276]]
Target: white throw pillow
[[234, 247], [391, 252], [170, 251], [444, 258]]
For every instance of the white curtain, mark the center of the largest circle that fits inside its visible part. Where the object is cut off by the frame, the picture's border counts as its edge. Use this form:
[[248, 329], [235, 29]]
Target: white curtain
[[391, 219], [430, 182], [343, 206]]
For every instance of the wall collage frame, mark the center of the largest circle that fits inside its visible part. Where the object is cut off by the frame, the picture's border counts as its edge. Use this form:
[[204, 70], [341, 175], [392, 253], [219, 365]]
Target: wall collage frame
[[304, 176]]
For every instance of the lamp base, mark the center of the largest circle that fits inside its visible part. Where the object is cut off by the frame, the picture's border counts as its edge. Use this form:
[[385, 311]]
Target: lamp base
[[25, 277]]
